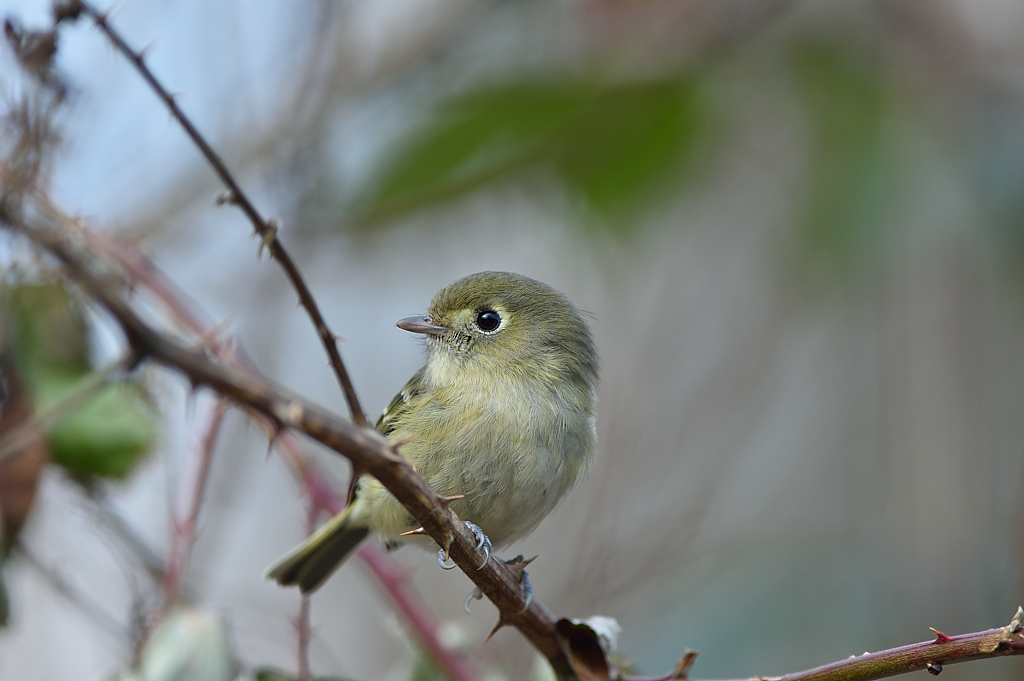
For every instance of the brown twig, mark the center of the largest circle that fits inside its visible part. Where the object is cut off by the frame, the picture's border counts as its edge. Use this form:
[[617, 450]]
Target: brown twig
[[367, 449], [320, 495], [264, 228], [930, 655]]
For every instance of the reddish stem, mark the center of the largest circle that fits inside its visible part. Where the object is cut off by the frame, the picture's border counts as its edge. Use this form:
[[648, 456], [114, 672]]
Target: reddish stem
[[322, 497], [190, 499]]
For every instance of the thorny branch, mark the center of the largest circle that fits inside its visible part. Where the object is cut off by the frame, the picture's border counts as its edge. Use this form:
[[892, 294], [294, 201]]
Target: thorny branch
[[371, 452], [190, 498], [322, 498], [367, 449], [266, 229], [141, 271], [928, 655]]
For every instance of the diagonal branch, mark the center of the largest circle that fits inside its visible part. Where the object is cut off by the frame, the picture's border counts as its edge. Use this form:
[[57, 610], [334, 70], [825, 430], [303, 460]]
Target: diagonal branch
[[264, 228], [928, 655], [366, 448]]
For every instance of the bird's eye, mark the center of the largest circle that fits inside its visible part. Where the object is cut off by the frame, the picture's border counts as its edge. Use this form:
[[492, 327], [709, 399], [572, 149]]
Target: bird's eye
[[488, 320]]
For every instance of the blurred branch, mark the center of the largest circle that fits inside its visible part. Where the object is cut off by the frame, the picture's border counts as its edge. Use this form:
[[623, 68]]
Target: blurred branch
[[395, 584], [108, 515], [302, 627], [322, 498], [264, 228], [190, 498], [91, 610], [366, 448]]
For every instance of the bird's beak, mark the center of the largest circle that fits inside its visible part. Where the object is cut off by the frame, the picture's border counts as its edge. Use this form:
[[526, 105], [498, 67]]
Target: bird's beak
[[421, 324]]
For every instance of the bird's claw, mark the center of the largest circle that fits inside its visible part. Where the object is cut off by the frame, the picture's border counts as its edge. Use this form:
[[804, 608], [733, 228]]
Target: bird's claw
[[475, 595], [442, 560], [482, 542]]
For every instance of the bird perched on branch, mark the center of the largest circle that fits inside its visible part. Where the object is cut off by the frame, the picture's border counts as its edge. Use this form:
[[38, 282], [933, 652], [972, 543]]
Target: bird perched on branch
[[502, 413]]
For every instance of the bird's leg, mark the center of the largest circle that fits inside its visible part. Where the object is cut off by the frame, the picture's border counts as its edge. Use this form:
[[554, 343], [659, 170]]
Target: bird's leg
[[482, 544]]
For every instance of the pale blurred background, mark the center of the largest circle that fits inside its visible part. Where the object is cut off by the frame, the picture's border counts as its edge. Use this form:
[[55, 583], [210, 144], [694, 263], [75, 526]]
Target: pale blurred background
[[799, 228]]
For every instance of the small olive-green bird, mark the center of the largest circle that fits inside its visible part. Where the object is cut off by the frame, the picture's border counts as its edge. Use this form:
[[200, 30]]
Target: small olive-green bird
[[502, 412]]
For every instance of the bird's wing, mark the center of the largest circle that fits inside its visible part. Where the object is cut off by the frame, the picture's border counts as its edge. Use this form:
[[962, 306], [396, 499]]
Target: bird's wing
[[392, 416]]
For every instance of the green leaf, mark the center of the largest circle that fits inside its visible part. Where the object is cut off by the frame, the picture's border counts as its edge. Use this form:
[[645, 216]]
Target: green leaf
[[108, 436], [114, 429], [849, 172], [49, 331], [474, 139], [630, 139], [611, 144]]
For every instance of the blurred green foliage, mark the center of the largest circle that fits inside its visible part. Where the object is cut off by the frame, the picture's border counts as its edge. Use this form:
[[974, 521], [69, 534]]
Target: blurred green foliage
[[113, 430], [849, 174], [612, 145]]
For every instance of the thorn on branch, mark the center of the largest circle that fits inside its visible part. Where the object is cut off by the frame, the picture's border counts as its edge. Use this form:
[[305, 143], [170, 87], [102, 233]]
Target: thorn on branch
[[268, 235], [681, 672], [501, 623], [401, 442], [227, 197], [939, 636], [274, 433], [418, 530], [445, 502], [1017, 622]]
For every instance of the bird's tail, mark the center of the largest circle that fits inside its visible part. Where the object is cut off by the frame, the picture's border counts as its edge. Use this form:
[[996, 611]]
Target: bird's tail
[[310, 564]]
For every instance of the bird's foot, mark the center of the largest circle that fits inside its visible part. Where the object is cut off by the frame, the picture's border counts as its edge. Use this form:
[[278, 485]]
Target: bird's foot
[[482, 544], [475, 595], [518, 567]]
